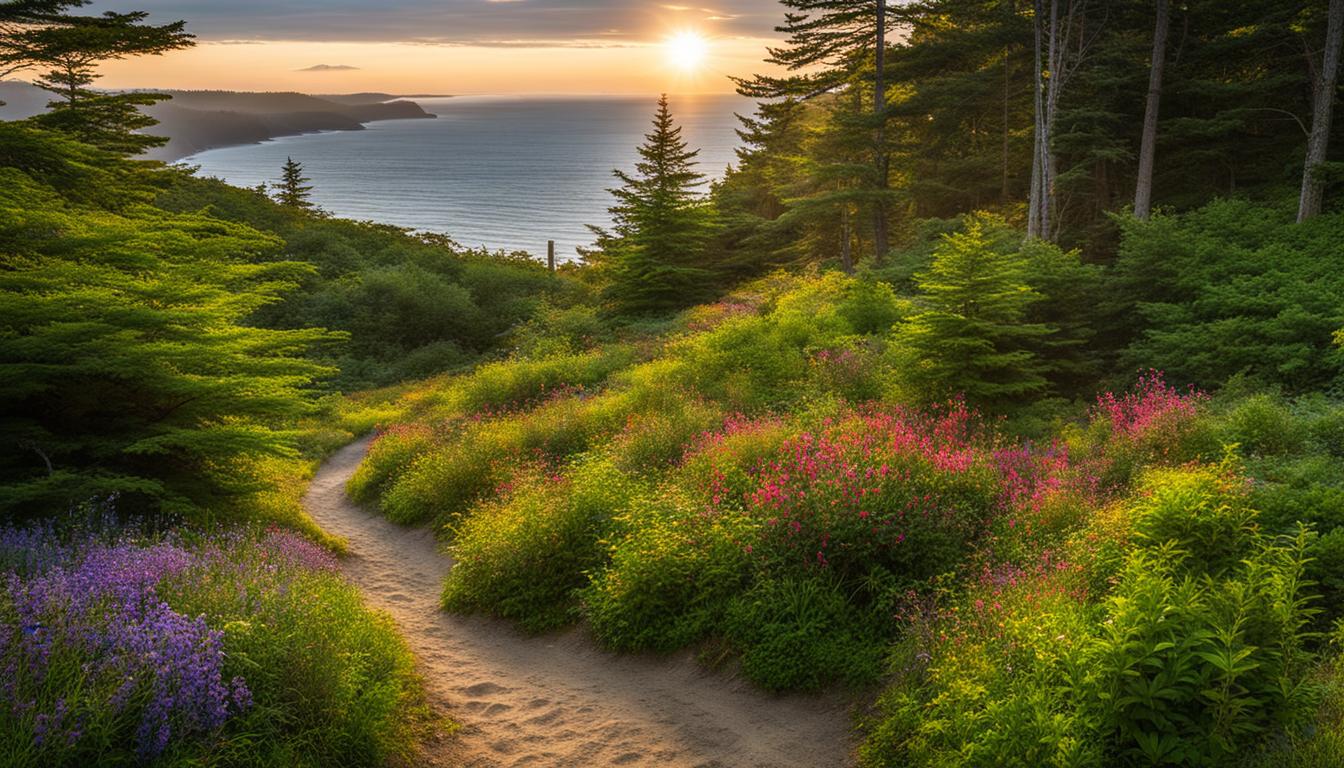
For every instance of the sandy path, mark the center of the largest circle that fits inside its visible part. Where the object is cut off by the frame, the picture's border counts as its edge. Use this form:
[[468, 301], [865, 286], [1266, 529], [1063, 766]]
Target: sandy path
[[557, 700]]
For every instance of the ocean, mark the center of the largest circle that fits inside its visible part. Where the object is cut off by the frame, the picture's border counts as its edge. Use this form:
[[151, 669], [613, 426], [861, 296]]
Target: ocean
[[500, 172]]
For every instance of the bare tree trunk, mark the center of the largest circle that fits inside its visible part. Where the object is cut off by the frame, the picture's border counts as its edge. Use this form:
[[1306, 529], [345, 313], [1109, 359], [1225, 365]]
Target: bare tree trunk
[[846, 255], [1143, 190], [880, 235], [1038, 131], [1049, 161], [1323, 105]]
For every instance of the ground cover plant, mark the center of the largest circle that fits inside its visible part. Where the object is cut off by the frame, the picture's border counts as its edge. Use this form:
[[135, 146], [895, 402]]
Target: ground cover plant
[[243, 647], [775, 489]]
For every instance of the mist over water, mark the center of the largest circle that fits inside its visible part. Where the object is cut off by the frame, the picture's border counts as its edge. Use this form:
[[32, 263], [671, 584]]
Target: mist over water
[[501, 172]]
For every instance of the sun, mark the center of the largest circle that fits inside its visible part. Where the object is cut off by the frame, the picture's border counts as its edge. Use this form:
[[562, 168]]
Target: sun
[[686, 50]]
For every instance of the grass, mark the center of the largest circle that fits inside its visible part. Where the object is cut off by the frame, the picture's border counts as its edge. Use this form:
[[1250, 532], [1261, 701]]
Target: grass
[[762, 479]]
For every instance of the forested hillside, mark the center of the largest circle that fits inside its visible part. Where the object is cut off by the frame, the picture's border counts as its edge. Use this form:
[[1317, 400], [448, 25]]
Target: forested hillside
[[999, 385]]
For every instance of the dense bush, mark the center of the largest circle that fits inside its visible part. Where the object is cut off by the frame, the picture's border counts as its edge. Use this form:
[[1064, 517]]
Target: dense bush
[[802, 632], [671, 575], [1178, 664], [236, 649], [525, 554], [412, 305], [1234, 287]]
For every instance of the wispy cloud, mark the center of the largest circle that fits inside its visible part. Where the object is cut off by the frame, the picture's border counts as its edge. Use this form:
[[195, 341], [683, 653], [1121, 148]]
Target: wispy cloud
[[455, 22]]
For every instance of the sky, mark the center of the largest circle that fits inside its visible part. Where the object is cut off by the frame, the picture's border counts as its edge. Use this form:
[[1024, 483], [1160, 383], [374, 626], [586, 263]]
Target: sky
[[455, 46]]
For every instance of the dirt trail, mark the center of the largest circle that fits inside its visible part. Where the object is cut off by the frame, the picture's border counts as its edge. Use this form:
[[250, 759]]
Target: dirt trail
[[558, 700]]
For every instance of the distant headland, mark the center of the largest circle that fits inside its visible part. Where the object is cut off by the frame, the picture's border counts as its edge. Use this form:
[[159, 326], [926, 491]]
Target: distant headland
[[195, 121]]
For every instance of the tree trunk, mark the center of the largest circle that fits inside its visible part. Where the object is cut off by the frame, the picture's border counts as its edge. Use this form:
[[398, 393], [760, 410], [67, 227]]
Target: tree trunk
[[1323, 105], [846, 255], [1049, 162], [879, 112], [1143, 190], [1038, 130]]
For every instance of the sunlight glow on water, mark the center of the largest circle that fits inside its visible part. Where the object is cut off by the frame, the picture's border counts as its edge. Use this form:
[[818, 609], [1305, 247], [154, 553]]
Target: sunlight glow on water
[[503, 172]]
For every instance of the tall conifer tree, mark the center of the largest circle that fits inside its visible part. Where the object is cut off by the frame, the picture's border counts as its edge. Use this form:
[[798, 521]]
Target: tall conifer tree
[[294, 190], [43, 35], [654, 254], [834, 45]]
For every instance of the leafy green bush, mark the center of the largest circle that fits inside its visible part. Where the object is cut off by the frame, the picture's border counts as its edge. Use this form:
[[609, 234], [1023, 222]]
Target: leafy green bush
[[525, 554], [1188, 651], [672, 572], [801, 632], [1201, 515], [1234, 287], [870, 307], [1195, 670], [654, 439], [1262, 424]]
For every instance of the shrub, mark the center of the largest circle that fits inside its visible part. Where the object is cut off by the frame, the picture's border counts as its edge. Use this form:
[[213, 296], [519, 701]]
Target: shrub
[[1181, 653], [1262, 424], [239, 649], [1234, 287], [1153, 424], [524, 555], [1201, 514], [718, 468], [652, 440], [1194, 670], [801, 632], [870, 307], [389, 454], [673, 570], [990, 681], [897, 490]]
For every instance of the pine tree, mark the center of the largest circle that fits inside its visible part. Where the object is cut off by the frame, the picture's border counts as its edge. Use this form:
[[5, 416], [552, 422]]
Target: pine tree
[[973, 338], [129, 363], [654, 256], [835, 45], [294, 190], [43, 34]]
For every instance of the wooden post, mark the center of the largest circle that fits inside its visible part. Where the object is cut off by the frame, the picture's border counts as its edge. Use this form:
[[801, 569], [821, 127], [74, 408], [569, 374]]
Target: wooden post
[[550, 255]]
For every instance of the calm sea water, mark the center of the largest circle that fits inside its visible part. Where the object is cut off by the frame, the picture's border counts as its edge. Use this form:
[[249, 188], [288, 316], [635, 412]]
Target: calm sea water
[[500, 172]]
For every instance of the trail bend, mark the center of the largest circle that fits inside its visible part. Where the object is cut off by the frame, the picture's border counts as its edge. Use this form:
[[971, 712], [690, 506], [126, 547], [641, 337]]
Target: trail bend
[[559, 700]]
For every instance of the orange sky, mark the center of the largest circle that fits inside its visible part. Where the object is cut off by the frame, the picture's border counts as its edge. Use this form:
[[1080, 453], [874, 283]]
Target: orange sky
[[624, 68]]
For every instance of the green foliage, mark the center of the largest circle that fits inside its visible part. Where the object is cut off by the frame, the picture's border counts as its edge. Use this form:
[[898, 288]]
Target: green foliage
[[671, 576], [129, 367], [525, 554], [801, 633], [1194, 669], [1196, 515], [653, 257], [413, 305], [1234, 288], [871, 307], [973, 337], [1177, 663]]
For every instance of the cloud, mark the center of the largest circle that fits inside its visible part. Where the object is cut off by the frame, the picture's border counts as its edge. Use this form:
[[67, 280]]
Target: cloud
[[457, 22], [327, 68]]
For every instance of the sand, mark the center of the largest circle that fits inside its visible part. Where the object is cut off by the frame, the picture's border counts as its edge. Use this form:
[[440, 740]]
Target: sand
[[558, 699]]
